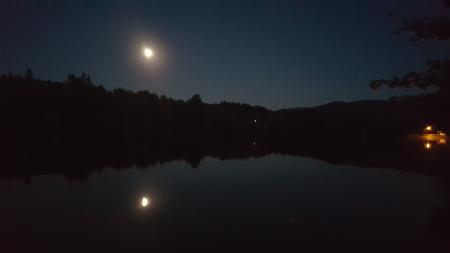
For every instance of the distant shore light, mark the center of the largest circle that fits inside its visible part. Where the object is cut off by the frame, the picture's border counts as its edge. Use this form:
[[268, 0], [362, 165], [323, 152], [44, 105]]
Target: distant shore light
[[428, 128]]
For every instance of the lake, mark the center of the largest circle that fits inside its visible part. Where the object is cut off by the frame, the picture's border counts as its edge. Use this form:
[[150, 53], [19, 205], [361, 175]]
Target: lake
[[274, 203]]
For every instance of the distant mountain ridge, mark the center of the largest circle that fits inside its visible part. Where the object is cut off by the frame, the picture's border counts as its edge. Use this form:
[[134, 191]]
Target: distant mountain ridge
[[45, 122]]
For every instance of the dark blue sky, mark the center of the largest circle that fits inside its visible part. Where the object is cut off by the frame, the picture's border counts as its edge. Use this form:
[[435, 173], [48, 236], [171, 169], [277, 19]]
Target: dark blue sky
[[271, 53]]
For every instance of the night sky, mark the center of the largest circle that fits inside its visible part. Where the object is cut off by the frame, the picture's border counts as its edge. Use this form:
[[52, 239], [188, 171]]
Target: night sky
[[272, 53]]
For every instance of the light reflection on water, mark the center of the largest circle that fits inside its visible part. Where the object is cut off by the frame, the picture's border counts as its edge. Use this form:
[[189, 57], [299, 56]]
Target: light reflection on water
[[429, 139], [294, 202]]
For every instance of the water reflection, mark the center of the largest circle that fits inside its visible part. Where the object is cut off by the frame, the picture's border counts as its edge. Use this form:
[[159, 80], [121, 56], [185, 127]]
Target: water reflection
[[175, 210], [431, 137], [414, 153]]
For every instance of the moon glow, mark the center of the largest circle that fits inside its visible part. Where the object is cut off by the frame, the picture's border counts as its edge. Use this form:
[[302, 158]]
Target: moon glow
[[145, 202], [148, 53]]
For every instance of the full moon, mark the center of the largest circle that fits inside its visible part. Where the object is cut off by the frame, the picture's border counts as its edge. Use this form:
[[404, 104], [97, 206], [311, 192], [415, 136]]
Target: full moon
[[148, 53], [145, 202]]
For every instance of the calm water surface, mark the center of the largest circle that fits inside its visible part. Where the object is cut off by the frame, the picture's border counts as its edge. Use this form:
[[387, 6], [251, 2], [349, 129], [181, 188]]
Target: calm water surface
[[269, 204]]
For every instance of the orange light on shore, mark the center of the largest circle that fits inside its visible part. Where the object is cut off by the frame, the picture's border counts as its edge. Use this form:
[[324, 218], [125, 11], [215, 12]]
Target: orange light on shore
[[431, 136]]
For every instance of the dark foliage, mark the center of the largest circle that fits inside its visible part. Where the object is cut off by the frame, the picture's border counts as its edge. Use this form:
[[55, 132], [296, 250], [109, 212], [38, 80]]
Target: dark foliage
[[425, 28], [437, 74]]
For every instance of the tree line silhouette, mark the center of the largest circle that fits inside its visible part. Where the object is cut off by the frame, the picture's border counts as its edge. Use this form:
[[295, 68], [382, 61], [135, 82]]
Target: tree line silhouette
[[437, 73], [76, 127]]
